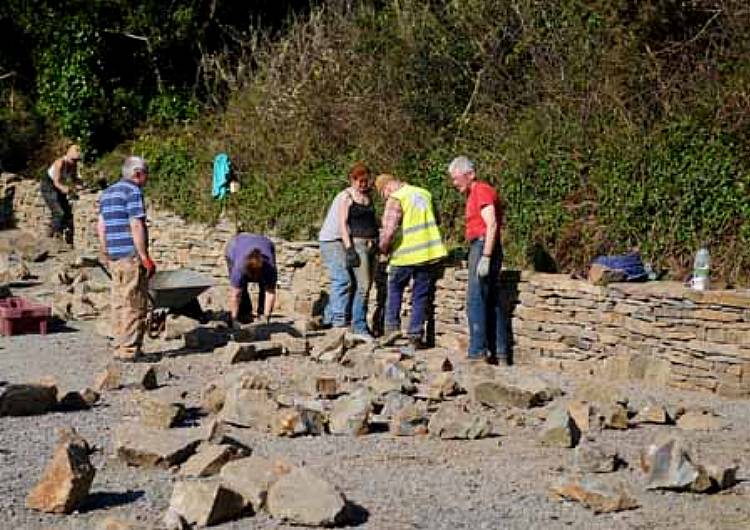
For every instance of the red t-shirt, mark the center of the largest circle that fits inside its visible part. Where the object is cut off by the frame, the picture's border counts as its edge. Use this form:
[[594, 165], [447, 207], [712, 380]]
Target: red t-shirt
[[481, 194]]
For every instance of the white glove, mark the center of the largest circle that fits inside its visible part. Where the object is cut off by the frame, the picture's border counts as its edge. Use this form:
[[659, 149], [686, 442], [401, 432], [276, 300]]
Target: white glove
[[483, 267]]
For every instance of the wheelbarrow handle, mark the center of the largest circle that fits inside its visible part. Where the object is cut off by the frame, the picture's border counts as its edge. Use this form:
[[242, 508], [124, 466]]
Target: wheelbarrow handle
[[109, 275]]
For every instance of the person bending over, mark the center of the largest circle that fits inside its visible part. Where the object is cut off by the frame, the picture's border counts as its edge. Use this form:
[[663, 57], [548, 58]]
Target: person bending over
[[251, 258]]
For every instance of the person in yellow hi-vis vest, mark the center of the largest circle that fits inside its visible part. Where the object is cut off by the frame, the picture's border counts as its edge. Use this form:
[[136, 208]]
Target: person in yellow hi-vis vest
[[411, 237]]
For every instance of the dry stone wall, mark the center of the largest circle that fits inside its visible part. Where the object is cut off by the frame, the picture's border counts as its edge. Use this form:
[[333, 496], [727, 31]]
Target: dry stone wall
[[660, 331], [22, 204]]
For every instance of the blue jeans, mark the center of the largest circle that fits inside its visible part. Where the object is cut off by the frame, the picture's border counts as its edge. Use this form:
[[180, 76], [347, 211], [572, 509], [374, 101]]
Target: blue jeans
[[422, 289], [488, 331], [362, 281], [334, 259]]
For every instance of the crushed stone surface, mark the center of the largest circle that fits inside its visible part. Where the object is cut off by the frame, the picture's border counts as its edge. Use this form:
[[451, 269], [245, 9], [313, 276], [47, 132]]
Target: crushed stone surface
[[396, 482]]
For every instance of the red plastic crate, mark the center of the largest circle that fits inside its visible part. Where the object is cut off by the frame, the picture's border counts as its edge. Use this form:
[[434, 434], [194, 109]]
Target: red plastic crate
[[20, 315]]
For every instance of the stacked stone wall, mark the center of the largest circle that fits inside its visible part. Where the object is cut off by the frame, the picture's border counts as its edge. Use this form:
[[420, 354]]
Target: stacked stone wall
[[660, 331], [22, 204]]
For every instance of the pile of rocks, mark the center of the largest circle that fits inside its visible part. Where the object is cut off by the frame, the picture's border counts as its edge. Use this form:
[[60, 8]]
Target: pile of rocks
[[81, 289], [383, 388], [667, 463], [352, 388]]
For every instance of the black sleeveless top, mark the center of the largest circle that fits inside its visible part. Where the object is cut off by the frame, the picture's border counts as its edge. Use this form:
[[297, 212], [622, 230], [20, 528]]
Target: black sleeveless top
[[361, 220]]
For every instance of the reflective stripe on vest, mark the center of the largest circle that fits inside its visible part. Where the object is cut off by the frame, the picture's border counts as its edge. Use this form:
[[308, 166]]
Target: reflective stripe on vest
[[419, 239]]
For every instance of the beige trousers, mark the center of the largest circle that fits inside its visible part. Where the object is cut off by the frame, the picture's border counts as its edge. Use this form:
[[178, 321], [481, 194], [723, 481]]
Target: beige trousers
[[129, 306]]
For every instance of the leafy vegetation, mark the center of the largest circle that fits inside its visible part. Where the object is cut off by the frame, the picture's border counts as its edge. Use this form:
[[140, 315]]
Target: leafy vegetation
[[607, 125]]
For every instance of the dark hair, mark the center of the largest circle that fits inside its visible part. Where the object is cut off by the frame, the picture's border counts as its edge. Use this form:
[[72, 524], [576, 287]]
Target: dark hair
[[254, 265]]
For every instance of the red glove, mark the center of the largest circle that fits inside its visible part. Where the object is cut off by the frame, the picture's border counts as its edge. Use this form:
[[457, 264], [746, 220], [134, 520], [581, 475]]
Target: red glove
[[150, 266]]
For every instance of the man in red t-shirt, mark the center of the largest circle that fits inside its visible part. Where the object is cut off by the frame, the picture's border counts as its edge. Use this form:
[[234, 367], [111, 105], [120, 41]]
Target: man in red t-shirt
[[488, 326]]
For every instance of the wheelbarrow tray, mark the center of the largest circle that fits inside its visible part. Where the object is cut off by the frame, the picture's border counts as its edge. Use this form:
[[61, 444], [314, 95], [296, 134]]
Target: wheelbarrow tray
[[175, 289]]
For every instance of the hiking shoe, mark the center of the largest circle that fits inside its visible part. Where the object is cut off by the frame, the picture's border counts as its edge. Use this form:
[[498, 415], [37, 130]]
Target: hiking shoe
[[389, 338], [361, 337]]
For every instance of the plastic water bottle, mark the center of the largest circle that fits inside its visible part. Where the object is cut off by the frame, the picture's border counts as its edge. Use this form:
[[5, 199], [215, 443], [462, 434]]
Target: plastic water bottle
[[701, 269]]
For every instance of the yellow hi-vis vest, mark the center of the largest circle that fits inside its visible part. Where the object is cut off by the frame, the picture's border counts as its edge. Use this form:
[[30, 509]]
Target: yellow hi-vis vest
[[419, 239]]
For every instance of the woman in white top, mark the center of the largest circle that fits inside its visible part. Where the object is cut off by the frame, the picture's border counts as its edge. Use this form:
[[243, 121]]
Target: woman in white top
[[347, 248], [60, 180]]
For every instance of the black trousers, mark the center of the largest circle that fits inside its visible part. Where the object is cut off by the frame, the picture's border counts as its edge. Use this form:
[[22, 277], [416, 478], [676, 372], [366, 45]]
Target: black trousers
[[57, 202]]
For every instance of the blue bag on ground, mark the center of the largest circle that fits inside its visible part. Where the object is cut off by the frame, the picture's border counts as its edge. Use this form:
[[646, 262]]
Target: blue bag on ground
[[630, 264], [222, 171]]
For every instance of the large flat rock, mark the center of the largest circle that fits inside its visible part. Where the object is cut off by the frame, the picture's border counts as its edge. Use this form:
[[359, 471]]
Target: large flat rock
[[251, 478], [139, 445], [302, 498], [204, 502], [517, 390]]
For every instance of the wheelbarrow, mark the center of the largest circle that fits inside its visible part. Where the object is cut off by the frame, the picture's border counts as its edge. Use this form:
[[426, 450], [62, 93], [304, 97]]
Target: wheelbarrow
[[174, 292]]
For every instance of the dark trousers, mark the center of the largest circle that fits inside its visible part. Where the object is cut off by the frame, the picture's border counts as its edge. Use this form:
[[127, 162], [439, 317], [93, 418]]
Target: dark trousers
[[423, 279], [488, 326], [245, 313], [57, 202]]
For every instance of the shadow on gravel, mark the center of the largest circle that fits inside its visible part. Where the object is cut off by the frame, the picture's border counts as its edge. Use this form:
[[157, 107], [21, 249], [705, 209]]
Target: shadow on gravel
[[264, 331], [192, 417], [59, 326], [23, 284], [355, 514], [102, 500], [378, 427], [184, 352]]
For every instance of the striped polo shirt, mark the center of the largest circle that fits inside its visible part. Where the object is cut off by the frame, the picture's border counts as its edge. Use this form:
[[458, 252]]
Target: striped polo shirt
[[118, 204]]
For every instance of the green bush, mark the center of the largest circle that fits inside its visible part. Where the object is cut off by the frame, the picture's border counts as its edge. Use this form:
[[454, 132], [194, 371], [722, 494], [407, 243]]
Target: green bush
[[606, 126]]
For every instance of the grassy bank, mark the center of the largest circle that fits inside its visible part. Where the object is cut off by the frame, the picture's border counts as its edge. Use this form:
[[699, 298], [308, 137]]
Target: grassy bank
[[607, 125]]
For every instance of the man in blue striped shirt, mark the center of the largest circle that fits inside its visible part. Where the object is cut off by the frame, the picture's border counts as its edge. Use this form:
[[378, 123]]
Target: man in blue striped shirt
[[124, 242]]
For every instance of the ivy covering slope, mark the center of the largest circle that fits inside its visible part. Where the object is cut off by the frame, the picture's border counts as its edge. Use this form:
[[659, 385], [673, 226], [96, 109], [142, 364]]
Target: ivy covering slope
[[606, 124]]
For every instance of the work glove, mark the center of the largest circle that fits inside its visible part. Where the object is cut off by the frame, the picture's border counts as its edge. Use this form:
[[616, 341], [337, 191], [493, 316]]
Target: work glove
[[150, 266], [483, 267], [352, 258]]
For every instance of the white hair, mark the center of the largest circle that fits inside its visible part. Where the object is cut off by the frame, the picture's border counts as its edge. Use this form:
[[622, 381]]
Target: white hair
[[462, 165], [131, 165]]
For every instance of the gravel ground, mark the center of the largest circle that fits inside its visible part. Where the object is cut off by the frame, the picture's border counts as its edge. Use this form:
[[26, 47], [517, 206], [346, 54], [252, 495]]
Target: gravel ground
[[399, 483]]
